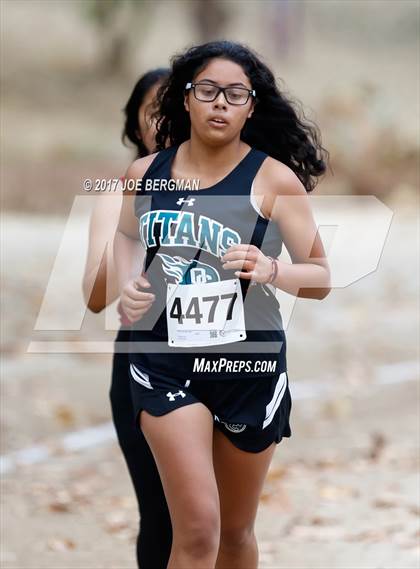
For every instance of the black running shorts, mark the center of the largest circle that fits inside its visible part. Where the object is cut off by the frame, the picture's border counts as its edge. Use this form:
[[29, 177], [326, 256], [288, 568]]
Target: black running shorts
[[252, 413]]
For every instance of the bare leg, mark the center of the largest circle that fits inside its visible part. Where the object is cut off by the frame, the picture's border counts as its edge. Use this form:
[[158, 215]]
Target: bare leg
[[240, 478], [181, 442]]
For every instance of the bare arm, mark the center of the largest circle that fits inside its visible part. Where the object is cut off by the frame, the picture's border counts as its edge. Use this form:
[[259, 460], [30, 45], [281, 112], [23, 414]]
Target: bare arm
[[282, 198], [99, 281], [308, 276], [126, 244]]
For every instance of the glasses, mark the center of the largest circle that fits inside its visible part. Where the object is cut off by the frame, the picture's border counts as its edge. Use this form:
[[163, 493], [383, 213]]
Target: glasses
[[207, 93]]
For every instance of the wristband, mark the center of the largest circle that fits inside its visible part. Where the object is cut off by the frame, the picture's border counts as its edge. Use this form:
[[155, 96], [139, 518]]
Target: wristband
[[274, 270]]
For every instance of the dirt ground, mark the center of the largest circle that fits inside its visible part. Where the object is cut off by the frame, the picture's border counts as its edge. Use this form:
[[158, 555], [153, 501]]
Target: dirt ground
[[335, 497]]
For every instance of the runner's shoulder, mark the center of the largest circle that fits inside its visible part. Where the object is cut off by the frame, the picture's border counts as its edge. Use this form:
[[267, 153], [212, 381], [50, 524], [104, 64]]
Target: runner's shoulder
[[280, 178], [139, 167]]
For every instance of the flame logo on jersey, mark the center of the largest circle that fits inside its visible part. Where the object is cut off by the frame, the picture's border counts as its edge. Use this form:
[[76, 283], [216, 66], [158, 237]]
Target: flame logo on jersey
[[188, 272]]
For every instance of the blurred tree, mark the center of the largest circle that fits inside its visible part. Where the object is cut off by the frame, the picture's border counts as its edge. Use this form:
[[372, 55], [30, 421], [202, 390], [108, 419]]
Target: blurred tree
[[112, 19], [285, 22], [210, 17]]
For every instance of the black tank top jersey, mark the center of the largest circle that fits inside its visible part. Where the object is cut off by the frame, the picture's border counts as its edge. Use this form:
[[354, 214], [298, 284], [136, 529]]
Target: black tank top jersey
[[184, 234]]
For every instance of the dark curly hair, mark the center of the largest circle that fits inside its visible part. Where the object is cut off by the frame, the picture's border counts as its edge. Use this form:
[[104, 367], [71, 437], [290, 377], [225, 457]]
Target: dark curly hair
[[131, 109], [278, 125]]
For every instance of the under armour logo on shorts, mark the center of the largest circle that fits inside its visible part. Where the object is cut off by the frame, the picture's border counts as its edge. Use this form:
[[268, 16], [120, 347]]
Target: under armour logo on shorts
[[171, 396]]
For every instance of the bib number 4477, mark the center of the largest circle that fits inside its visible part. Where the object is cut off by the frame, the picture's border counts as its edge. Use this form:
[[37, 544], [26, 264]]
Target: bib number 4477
[[205, 314], [193, 310]]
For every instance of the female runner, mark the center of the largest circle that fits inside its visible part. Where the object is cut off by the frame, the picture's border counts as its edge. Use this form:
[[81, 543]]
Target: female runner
[[155, 533], [205, 391]]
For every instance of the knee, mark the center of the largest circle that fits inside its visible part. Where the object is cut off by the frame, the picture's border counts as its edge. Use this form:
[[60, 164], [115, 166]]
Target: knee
[[236, 536], [200, 533]]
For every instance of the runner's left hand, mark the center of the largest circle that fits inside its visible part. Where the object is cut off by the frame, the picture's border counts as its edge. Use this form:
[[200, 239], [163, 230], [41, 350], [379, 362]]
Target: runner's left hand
[[256, 266]]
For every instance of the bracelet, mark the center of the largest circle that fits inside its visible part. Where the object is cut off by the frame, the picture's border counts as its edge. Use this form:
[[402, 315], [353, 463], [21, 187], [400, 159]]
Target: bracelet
[[274, 270]]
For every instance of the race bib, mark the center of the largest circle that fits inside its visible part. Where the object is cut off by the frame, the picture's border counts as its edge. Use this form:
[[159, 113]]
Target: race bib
[[205, 314]]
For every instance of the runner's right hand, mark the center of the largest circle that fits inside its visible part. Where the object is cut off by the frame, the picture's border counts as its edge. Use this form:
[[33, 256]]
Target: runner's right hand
[[136, 302]]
